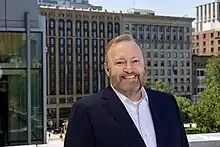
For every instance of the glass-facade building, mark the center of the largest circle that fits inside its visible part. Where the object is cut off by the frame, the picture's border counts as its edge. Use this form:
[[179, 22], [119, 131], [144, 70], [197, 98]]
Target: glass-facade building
[[14, 89], [22, 74]]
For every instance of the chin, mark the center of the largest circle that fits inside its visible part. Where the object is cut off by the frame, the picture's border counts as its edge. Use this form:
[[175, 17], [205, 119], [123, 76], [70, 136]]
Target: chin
[[130, 88]]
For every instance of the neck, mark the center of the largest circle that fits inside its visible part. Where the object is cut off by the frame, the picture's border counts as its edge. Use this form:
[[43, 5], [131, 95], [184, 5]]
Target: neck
[[133, 96]]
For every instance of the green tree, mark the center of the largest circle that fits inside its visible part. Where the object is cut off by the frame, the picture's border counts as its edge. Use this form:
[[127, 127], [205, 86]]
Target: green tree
[[185, 108], [206, 113], [159, 85]]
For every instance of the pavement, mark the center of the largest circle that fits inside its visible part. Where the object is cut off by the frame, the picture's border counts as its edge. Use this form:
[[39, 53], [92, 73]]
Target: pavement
[[54, 137]]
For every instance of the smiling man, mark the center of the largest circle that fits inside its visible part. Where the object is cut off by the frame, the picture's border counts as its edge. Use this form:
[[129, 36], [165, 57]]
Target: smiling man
[[124, 65], [125, 114]]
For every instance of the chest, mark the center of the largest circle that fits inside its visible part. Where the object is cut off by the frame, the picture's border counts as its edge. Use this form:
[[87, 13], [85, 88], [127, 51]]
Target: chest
[[141, 116]]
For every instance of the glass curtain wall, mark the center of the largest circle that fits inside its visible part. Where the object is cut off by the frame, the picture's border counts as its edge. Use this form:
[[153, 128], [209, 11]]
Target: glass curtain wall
[[13, 88]]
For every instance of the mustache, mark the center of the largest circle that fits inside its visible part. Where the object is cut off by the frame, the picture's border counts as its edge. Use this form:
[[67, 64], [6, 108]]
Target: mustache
[[138, 78], [130, 74]]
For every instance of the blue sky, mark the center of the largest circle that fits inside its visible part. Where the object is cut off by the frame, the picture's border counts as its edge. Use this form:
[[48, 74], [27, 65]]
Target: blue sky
[[161, 7]]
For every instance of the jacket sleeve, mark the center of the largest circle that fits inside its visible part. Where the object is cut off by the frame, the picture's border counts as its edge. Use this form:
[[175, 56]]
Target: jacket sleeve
[[184, 140], [79, 130]]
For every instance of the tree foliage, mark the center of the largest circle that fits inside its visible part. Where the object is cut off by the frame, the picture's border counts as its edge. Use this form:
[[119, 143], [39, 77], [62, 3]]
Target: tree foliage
[[159, 85], [206, 112], [185, 108]]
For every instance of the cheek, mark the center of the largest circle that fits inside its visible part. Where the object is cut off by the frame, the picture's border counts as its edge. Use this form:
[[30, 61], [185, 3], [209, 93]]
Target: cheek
[[140, 69], [116, 71]]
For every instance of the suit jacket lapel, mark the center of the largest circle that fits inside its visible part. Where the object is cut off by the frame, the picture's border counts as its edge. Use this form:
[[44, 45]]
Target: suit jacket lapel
[[117, 110], [154, 103]]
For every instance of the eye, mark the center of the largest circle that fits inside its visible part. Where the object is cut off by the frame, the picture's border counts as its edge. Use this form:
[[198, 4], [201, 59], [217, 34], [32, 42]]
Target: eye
[[119, 62], [135, 61]]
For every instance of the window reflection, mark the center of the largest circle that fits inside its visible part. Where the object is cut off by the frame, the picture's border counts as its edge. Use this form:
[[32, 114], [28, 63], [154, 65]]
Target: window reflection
[[17, 106], [13, 87], [12, 50]]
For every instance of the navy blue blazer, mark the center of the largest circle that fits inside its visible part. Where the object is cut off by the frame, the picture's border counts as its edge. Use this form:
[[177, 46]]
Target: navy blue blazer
[[101, 120]]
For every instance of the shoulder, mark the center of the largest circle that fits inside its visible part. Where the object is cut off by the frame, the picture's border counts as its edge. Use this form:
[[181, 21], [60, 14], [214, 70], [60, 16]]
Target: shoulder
[[162, 98], [90, 100], [159, 93], [165, 102]]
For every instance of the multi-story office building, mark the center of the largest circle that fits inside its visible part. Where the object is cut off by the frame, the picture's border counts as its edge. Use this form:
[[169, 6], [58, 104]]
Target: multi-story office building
[[76, 40], [198, 75], [206, 43], [22, 74], [167, 48], [64, 1], [74, 3], [141, 11], [207, 16]]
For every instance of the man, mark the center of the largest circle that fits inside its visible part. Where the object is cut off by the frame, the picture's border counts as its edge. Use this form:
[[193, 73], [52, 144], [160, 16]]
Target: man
[[125, 114]]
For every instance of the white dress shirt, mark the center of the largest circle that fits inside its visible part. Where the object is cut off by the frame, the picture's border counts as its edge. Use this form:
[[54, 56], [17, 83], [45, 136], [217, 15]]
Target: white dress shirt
[[140, 113]]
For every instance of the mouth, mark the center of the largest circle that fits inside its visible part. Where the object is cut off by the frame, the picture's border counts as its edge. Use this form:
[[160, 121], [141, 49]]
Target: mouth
[[129, 77]]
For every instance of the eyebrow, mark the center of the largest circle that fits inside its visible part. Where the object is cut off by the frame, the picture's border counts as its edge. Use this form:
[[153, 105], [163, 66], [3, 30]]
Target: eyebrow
[[119, 58], [124, 58]]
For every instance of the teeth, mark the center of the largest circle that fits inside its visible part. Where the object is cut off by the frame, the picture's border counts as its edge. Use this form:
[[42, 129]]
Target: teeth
[[129, 77]]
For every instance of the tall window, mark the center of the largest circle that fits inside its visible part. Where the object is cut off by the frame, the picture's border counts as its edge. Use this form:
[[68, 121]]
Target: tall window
[[78, 43], [62, 67], [69, 66], [52, 67], [86, 66], [61, 28], [101, 63], [95, 66]]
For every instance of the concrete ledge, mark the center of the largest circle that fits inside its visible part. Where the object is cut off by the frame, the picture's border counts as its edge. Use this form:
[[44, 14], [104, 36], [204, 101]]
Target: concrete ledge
[[204, 140], [196, 140]]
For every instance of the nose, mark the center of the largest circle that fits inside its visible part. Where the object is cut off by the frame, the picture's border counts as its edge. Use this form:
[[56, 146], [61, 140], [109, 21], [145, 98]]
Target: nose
[[128, 68]]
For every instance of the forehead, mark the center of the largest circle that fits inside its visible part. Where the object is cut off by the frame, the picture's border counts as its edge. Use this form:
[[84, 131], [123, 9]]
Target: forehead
[[125, 49]]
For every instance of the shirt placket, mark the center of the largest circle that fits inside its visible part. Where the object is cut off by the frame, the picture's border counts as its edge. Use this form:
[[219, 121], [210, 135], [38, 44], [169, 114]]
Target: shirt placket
[[141, 123]]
